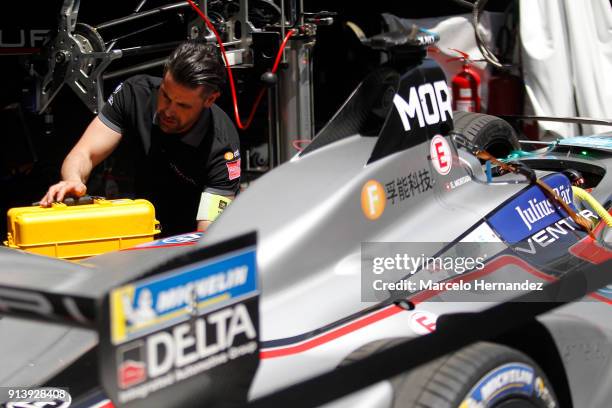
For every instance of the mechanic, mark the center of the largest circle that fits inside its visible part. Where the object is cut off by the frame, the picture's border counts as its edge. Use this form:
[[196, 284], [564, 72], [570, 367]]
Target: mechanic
[[185, 148]]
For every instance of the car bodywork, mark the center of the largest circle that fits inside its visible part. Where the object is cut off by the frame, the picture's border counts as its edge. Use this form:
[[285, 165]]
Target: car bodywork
[[311, 222]]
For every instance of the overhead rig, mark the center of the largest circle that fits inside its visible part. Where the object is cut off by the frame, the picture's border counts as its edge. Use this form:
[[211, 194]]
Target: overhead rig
[[250, 34]]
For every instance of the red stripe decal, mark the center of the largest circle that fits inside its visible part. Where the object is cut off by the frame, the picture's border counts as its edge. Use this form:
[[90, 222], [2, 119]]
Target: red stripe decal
[[332, 335], [601, 298], [389, 311]]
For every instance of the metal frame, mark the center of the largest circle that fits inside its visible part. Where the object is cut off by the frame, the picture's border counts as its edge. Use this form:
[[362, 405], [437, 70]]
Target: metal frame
[[292, 100]]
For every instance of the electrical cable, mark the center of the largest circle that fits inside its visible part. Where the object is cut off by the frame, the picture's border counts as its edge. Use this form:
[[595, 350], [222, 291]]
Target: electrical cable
[[262, 91], [599, 209], [551, 194]]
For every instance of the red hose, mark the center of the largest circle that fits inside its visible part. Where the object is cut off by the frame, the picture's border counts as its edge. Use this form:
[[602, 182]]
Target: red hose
[[262, 91]]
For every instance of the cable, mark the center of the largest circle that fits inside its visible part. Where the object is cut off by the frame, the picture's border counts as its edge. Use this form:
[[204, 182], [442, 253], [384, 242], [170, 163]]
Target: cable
[[551, 194], [585, 196], [230, 75]]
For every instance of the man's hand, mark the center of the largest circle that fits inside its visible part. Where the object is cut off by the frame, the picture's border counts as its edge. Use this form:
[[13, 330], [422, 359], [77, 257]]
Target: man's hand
[[95, 145], [61, 190]]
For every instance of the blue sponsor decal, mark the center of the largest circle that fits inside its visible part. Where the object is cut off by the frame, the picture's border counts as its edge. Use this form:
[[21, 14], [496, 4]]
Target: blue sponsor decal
[[183, 239], [593, 142], [513, 378], [161, 301], [531, 211]]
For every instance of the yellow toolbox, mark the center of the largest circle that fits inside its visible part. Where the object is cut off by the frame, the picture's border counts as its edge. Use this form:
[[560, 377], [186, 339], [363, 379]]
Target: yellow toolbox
[[82, 228]]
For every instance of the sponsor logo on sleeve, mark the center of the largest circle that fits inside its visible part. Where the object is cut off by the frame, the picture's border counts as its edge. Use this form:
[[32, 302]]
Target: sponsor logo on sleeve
[[233, 169], [117, 89]]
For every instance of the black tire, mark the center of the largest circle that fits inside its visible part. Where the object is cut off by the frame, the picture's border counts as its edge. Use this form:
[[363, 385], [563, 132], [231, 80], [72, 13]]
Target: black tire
[[490, 133], [448, 382]]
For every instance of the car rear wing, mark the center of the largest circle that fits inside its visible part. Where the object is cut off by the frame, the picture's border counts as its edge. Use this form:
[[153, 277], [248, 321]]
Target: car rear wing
[[181, 328]]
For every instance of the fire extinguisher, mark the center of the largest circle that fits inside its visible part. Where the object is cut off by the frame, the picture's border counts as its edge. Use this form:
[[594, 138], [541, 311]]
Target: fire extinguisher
[[505, 93], [466, 85]]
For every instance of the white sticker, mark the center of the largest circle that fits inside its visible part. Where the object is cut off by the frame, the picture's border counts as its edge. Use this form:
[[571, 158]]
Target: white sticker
[[423, 322], [441, 155]]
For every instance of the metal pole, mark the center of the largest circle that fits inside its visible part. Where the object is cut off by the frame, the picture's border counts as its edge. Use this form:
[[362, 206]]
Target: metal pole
[[148, 49], [273, 128], [134, 69], [295, 97], [136, 16], [136, 10]]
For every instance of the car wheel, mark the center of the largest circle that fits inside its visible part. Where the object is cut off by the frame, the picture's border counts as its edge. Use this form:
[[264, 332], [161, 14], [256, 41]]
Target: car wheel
[[490, 133], [483, 375]]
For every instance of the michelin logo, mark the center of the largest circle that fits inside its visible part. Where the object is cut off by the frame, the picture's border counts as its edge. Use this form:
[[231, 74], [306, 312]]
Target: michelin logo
[[144, 311], [157, 302], [181, 296], [513, 378]]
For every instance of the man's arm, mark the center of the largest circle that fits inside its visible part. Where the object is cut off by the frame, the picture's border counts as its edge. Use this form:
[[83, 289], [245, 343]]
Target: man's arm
[[203, 225], [96, 144], [211, 206]]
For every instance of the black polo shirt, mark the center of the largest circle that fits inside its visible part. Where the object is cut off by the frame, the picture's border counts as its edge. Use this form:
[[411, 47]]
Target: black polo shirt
[[172, 170]]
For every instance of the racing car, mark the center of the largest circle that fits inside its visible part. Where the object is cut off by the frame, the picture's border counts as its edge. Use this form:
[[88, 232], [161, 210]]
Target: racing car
[[284, 287]]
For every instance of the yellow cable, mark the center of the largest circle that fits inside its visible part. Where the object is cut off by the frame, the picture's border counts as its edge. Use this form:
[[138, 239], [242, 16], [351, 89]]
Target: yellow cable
[[583, 195]]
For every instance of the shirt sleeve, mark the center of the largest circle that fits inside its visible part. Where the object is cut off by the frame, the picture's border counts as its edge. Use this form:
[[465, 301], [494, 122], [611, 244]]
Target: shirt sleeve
[[223, 176], [113, 113]]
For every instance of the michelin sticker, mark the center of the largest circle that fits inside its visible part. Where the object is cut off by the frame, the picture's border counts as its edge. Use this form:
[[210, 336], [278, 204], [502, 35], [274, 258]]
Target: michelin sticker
[[159, 302], [514, 378]]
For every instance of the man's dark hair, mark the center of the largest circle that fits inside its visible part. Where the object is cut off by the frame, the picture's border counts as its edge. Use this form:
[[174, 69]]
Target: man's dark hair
[[194, 63]]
